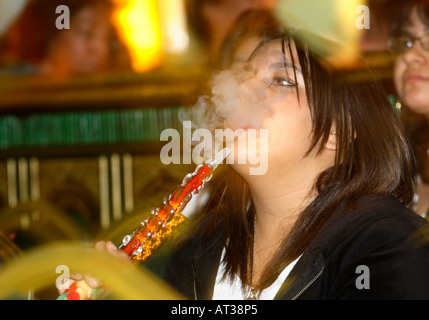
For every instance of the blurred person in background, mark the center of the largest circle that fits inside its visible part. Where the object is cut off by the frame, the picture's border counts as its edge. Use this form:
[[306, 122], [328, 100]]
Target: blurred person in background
[[409, 39], [245, 34], [211, 20], [34, 45]]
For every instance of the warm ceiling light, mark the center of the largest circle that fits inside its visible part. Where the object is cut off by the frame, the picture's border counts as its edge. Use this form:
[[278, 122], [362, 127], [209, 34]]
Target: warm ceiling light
[[139, 27]]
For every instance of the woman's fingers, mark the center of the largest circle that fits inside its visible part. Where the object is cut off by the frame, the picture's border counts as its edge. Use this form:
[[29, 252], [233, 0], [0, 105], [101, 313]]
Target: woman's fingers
[[109, 247], [121, 254], [90, 280], [100, 246], [93, 282]]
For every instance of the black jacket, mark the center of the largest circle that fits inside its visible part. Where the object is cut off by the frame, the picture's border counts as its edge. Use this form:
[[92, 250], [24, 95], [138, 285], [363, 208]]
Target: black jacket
[[375, 250]]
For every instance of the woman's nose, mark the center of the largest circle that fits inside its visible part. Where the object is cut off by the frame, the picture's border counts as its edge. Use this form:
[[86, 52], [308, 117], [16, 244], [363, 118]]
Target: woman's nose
[[416, 55]]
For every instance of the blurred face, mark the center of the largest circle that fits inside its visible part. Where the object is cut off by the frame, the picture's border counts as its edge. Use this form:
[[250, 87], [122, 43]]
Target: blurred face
[[412, 70], [269, 90], [84, 48], [221, 15]]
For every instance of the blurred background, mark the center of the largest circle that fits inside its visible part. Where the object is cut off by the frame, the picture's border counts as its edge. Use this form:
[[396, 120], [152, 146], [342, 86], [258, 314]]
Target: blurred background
[[82, 109]]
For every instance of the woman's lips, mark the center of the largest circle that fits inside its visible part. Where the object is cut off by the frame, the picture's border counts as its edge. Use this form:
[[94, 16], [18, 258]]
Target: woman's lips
[[413, 77]]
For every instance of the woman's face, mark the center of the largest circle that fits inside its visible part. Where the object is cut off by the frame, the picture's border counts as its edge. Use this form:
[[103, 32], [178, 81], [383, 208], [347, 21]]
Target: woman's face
[[270, 91], [411, 74], [84, 48]]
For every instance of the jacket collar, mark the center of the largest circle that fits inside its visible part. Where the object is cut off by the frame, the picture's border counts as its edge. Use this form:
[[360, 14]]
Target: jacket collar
[[307, 270], [312, 263]]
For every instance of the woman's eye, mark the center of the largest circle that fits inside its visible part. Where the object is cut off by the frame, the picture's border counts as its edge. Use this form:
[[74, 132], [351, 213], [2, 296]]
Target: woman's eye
[[282, 82]]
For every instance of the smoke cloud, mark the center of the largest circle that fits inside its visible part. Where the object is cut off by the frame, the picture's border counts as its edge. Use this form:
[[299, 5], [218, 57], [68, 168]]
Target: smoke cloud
[[239, 99]]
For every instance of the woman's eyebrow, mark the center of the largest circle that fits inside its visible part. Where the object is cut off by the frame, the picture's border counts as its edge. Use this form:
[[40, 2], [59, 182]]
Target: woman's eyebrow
[[409, 31], [282, 65], [406, 34]]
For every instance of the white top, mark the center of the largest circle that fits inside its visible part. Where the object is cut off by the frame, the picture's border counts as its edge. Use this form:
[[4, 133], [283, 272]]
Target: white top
[[227, 290]]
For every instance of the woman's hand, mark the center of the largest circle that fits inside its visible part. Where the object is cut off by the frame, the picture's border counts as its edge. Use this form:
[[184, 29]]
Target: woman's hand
[[87, 281]]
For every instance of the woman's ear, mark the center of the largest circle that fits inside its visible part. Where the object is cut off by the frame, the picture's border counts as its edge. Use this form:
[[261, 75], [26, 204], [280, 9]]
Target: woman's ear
[[332, 142]]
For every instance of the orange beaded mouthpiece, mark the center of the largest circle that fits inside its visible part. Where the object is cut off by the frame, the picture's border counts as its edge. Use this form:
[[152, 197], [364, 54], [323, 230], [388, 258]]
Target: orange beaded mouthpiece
[[140, 244]]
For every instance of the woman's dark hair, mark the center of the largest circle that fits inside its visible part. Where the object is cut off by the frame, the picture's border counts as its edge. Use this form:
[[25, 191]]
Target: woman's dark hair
[[27, 39], [400, 14], [373, 157]]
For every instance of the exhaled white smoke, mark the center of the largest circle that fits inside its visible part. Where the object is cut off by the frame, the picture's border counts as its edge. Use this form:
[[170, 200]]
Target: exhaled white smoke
[[239, 99]]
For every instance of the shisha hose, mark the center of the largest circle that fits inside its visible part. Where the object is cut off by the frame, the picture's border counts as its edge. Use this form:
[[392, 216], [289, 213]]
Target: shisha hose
[[144, 240]]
